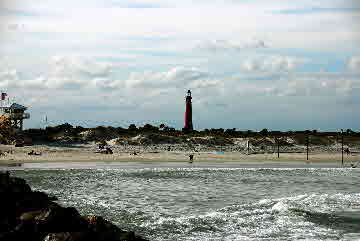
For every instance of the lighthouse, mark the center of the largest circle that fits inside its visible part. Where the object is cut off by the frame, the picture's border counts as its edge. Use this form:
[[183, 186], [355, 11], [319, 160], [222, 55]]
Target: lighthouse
[[188, 126]]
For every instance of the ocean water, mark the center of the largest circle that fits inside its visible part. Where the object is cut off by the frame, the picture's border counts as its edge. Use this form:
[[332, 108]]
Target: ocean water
[[207, 203]]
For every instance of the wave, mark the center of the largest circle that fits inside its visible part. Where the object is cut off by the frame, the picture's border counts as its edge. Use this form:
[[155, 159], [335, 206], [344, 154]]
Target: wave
[[197, 204], [347, 221], [288, 218]]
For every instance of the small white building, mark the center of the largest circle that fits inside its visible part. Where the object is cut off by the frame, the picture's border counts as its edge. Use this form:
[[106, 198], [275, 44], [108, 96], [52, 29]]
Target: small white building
[[16, 114]]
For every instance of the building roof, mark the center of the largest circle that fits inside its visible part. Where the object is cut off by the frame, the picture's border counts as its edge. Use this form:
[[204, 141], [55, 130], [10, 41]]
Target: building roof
[[14, 106], [17, 106]]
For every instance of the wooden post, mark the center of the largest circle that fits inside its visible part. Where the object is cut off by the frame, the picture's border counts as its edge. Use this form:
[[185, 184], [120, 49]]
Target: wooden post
[[248, 146], [342, 148], [278, 146], [307, 147]]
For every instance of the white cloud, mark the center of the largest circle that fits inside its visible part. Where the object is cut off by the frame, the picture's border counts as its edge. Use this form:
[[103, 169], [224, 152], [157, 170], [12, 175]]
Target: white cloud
[[109, 84], [79, 73], [9, 75], [224, 45], [206, 83], [64, 73], [319, 84], [354, 64], [191, 22], [79, 66], [174, 78], [262, 4], [296, 84], [9, 78], [272, 64], [73, 72]]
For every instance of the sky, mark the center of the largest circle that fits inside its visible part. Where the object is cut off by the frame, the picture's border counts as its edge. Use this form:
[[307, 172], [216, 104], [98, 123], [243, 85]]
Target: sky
[[275, 64]]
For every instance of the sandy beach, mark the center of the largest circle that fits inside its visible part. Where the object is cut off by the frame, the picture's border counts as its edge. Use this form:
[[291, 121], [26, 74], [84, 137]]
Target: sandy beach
[[87, 153]]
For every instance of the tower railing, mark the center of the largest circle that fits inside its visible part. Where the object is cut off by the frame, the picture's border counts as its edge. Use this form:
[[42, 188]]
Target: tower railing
[[18, 116]]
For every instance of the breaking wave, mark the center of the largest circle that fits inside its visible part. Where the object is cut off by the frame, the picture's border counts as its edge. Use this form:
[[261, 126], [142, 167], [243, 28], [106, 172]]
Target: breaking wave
[[214, 204]]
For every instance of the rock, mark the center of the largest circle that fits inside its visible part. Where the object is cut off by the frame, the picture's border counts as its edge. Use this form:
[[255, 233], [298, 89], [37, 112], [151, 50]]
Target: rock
[[13, 185], [33, 216], [32, 201], [105, 230], [29, 215], [58, 219], [98, 224], [68, 236]]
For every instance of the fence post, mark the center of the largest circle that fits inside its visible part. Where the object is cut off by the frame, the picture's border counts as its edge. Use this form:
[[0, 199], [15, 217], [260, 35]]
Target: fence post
[[342, 147], [307, 147]]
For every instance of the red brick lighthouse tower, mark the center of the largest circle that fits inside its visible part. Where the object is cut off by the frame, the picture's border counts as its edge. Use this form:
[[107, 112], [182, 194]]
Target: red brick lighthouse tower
[[188, 113]]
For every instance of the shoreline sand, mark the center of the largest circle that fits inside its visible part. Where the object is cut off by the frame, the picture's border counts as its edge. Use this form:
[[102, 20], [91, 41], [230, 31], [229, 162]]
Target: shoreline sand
[[85, 153]]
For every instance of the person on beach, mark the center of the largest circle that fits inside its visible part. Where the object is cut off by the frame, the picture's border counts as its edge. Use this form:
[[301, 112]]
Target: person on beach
[[33, 153], [101, 146], [109, 151], [191, 158]]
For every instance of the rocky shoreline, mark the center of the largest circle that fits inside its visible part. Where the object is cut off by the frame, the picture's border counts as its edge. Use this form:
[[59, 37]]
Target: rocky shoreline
[[35, 216]]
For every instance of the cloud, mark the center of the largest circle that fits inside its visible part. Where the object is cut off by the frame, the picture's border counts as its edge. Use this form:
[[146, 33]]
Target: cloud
[[318, 84], [234, 20], [75, 73], [301, 85], [313, 10], [206, 83], [225, 45], [79, 66], [9, 75], [9, 79], [174, 78], [108, 84], [272, 64], [65, 72], [354, 64]]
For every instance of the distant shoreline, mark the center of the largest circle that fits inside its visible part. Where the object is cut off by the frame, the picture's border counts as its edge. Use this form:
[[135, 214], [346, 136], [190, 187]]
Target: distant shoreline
[[86, 154]]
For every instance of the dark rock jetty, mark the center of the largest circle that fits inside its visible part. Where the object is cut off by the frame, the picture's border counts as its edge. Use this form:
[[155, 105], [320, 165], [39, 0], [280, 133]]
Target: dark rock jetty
[[34, 216]]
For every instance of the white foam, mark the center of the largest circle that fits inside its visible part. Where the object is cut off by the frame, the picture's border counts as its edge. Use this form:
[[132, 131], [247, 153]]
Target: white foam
[[280, 207], [264, 201]]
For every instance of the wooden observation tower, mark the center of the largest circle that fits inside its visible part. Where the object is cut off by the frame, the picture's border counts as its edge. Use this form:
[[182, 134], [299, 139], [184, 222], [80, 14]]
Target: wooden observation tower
[[14, 113]]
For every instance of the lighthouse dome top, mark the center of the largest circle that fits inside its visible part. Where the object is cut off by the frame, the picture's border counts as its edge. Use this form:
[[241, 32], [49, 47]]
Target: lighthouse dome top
[[189, 93]]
